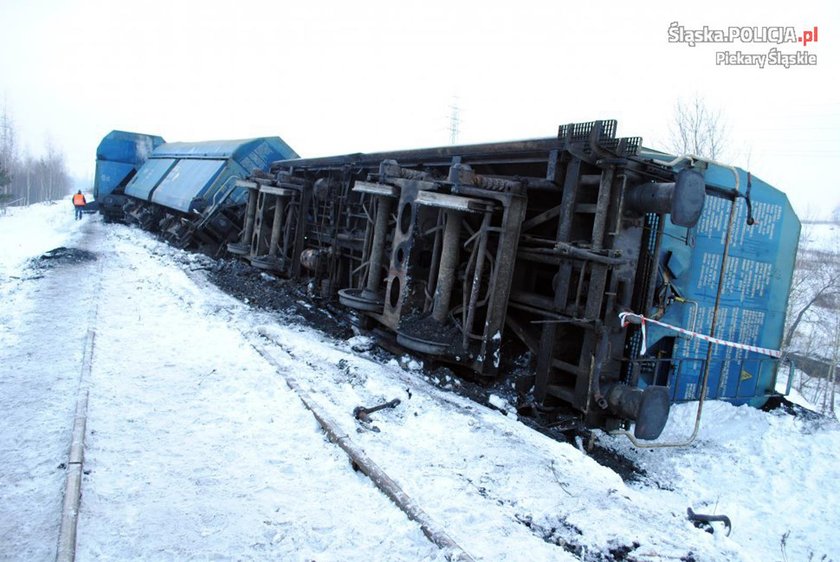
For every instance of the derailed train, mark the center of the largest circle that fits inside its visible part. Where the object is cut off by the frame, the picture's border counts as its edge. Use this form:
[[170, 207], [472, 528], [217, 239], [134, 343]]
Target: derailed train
[[473, 254]]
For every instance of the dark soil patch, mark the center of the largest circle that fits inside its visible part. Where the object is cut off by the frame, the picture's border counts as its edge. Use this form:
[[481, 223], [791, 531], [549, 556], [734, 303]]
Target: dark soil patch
[[266, 292], [782, 404], [62, 256], [565, 535], [621, 465], [811, 419]]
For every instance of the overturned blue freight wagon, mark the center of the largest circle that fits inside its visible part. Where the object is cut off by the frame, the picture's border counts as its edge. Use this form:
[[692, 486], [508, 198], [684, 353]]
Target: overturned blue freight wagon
[[607, 279], [187, 191], [586, 267], [730, 276], [118, 157]]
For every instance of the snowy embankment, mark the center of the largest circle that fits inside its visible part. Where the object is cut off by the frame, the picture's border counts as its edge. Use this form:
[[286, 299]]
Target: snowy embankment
[[42, 328], [26, 232], [196, 449]]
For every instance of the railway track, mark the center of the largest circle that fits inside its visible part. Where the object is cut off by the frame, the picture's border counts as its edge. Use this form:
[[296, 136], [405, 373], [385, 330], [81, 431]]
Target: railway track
[[66, 551], [268, 349], [391, 433], [364, 463], [69, 540]]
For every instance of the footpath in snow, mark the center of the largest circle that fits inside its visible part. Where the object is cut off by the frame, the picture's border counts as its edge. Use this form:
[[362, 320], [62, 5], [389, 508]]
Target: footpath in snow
[[196, 448]]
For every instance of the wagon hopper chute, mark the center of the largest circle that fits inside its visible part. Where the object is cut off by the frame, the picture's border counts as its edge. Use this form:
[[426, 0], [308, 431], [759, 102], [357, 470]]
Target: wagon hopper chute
[[187, 191]]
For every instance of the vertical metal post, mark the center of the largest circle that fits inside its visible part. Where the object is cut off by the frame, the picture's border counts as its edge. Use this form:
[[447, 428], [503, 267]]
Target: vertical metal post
[[250, 212], [257, 235], [561, 289], [380, 228], [276, 225], [301, 226], [476, 284], [603, 202], [448, 264], [431, 280]]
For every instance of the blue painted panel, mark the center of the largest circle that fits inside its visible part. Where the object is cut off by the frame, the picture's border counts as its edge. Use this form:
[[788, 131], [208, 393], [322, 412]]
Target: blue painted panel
[[123, 146], [204, 173], [264, 150], [754, 296], [188, 180], [149, 177], [109, 175], [119, 154], [260, 153]]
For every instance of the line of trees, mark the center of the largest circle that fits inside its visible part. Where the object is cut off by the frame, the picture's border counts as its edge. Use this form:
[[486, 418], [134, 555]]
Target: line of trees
[[813, 317], [25, 179]]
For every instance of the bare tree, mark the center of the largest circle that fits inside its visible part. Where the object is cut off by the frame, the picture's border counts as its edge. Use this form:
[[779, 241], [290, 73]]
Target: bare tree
[[816, 281], [696, 129], [8, 150], [26, 178], [5, 177], [832, 370], [812, 328]]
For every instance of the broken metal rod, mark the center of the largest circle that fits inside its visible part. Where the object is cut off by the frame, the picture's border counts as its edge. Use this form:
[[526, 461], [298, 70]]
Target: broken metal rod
[[708, 519], [361, 413]]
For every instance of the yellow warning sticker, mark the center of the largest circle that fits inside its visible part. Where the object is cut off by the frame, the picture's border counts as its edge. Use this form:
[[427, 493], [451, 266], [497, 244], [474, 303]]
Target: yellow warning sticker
[[745, 376]]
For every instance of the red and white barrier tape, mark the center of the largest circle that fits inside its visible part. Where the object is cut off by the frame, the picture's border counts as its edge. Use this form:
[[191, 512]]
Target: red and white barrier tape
[[642, 320]]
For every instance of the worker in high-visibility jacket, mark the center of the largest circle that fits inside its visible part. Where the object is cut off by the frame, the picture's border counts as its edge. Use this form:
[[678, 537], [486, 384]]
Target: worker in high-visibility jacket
[[79, 204]]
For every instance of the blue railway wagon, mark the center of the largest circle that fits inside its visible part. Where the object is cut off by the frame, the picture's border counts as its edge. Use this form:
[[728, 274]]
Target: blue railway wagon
[[481, 252], [118, 157], [187, 175], [746, 302], [184, 186]]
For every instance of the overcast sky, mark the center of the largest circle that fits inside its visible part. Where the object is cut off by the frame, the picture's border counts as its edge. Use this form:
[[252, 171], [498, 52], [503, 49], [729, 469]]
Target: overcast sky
[[336, 77]]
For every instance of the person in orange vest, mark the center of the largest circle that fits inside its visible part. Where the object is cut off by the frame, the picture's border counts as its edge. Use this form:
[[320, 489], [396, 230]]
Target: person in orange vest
[[79, 204]]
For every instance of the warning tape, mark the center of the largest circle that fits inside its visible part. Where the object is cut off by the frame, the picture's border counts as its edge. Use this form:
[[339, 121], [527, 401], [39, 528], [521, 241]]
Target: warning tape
[[623, 316]]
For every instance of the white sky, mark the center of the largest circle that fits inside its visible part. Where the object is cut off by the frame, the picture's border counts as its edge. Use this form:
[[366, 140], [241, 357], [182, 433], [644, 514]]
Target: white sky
[[336, 77]]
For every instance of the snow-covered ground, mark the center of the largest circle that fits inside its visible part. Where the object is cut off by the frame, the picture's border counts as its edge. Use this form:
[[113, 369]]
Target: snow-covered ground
[[196, 448]]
